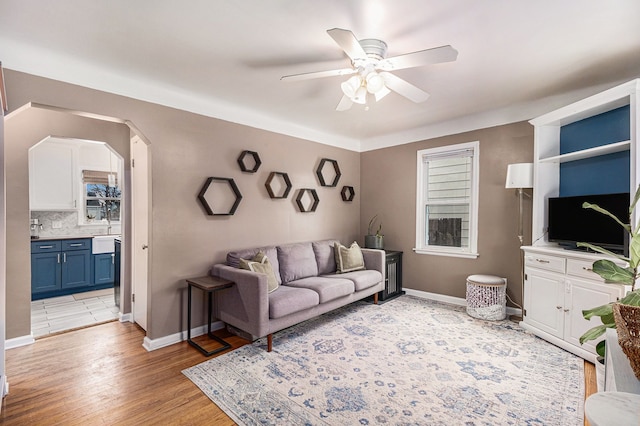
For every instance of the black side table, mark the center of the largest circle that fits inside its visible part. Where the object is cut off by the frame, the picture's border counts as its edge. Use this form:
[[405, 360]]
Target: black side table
[[208, 285], [393, 279]]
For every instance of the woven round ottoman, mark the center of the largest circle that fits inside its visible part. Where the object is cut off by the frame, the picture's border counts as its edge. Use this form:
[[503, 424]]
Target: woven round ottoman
[[487, 297]]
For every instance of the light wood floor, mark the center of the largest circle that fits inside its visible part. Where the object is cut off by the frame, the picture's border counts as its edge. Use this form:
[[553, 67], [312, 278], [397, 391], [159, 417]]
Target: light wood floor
[[102, 375]]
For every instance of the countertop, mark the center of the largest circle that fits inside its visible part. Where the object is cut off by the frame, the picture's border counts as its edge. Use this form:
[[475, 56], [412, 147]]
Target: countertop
[[70, 237]]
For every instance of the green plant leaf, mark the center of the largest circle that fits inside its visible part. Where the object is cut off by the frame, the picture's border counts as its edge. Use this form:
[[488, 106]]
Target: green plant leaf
[[599, 209], [603, 251], [634, 251], [599, 311], [600, 348], [593, 333], [633, 298], [612, 272]]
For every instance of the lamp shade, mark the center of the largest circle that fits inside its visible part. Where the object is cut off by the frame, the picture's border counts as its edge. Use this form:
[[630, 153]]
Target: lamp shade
[[519, 175]]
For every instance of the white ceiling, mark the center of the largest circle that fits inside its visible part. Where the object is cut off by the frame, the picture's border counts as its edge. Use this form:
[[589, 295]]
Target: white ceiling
[[517, 59]]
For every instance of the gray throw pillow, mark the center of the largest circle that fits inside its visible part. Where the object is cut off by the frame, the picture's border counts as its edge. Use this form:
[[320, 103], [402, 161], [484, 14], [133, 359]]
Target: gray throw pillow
[[348, 259]]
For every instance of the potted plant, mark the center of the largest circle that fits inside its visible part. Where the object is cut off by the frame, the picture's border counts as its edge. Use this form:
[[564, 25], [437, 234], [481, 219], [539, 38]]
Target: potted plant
[[614, 274], [371, 240]]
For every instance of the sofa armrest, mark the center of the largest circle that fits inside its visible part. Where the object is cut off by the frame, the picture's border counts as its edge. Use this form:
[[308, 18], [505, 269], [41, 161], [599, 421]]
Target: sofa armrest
[[375, 259], [246, 304]]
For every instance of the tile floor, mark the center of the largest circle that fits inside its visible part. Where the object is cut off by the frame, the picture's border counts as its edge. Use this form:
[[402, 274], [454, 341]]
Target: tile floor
[[51, 316]]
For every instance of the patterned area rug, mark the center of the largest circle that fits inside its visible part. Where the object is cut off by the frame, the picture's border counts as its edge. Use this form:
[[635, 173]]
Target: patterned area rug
[[408, 361]]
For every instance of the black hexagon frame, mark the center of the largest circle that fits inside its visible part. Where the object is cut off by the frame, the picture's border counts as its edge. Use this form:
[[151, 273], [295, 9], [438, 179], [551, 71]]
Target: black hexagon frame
[[347, 193], [335, 168], [285, 179], [234, 188], [313, 194], [256, 160]]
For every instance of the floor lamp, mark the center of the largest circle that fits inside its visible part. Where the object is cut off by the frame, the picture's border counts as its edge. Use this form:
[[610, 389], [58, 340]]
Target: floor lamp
[[520, 176]]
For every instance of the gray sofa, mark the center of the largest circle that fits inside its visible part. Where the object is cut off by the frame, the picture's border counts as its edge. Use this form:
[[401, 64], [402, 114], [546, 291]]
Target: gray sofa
[[308, 286]]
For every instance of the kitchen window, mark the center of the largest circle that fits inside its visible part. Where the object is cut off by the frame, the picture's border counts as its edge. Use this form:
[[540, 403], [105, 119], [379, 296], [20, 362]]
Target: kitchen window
[[101, 197], [447, 200]]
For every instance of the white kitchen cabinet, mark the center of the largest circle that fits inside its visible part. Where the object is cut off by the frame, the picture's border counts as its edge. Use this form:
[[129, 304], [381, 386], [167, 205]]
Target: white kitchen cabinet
[[559, 285], [52, 176]]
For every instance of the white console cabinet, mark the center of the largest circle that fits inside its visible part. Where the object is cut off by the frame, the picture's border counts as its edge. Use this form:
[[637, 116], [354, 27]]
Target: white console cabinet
[[559, 285]]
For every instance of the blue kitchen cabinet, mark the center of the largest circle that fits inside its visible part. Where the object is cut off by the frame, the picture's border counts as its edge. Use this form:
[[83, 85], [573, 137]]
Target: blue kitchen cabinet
[[59, 265], [103, 268], [45, 272]]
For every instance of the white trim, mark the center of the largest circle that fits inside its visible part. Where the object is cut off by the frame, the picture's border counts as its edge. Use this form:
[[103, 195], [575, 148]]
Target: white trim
[[125, 317], [4, 387], [459, 301], [17, 342], [462, 254], [472, 251], [582, 353], [153, 344]]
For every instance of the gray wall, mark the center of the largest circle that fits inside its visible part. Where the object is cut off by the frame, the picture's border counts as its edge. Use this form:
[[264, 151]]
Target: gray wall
[[185, 149], [389, 190]]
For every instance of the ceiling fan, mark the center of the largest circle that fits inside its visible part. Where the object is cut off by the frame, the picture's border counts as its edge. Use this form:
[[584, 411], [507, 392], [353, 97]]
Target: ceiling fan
[[370, 70]]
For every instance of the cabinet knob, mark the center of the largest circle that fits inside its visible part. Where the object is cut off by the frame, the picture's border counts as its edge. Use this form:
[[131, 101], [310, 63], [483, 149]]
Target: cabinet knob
[[144, 247], [558, 307], [566, 310], [542, 261]]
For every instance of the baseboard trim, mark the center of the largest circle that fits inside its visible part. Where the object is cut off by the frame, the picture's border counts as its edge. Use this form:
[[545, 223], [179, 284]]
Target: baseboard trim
[[459, 301], [124, 317], [153, 344], [4, 386], [17, 342]]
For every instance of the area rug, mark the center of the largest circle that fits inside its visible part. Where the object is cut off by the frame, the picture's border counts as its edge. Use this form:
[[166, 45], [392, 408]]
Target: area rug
[[408, 361]]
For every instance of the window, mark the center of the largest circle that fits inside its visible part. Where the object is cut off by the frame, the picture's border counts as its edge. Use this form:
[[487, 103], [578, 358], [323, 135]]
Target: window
[[101, 197], [447, 200]]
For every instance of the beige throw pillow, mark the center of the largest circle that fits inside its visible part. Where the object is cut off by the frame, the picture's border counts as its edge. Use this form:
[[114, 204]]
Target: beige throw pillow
[[260, 264], [348, 259]]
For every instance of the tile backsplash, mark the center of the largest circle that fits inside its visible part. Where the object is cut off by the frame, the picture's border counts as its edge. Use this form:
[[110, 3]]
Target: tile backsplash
[[68, 221]]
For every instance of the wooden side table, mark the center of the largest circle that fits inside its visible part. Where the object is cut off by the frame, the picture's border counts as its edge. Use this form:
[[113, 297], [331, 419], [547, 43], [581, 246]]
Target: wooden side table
[[208, 285]]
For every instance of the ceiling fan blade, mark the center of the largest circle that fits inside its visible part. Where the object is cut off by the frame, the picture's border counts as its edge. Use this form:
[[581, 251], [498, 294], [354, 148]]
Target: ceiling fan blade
[[318, 74], [344, 104], [419, 58], [404, 88], [382, 93], [348, 42]]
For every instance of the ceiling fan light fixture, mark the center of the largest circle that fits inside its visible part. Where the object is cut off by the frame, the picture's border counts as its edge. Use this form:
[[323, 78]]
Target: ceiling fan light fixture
[[351, 86], [360, 96], [375, 82]]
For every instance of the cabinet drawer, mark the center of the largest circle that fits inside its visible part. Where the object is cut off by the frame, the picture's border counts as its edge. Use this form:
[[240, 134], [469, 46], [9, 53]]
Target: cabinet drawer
[[549, 263], [582, 268], [79, 244], [45, 246]]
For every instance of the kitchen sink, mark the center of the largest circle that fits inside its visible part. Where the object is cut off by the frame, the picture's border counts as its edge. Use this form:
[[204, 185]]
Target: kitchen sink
[[103, 244]]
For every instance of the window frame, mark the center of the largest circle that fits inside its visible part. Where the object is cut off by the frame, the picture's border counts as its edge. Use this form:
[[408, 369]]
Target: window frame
[[83, 205], [421, 246]]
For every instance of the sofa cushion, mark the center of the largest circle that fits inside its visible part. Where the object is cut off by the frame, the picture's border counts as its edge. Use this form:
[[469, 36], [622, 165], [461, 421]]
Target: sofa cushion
[[288, 300], [325, 256], [327, 288], [361, 279], [233, 258], [260, 264], [348, 259], [296, 261]]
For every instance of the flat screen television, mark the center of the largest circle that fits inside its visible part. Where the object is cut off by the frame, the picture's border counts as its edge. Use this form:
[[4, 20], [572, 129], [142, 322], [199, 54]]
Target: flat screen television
[[569, 223]]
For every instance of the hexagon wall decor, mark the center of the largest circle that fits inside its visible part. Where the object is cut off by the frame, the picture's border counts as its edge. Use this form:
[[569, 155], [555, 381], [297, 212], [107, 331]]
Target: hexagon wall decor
[[284, 178], [320, 173], [202, 196], [256, 161], [313, 194], [347, 193]]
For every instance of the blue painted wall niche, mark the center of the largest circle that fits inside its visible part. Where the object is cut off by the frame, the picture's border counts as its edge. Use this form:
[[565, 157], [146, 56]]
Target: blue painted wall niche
[[605, 174]]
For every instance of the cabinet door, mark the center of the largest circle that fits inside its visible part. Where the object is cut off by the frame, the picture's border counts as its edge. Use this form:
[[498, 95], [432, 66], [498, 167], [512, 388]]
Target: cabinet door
[[76, 268], [585, 294], [103, 268], [52, 177], [544, 300], [45, 272]]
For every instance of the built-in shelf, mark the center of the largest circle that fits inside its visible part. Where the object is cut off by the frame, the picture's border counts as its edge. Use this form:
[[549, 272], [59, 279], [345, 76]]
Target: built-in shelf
[[588, 153]]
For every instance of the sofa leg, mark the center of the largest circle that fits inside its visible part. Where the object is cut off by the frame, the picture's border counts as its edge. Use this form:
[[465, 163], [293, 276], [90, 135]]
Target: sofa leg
[[269, 342], [375, 298]]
